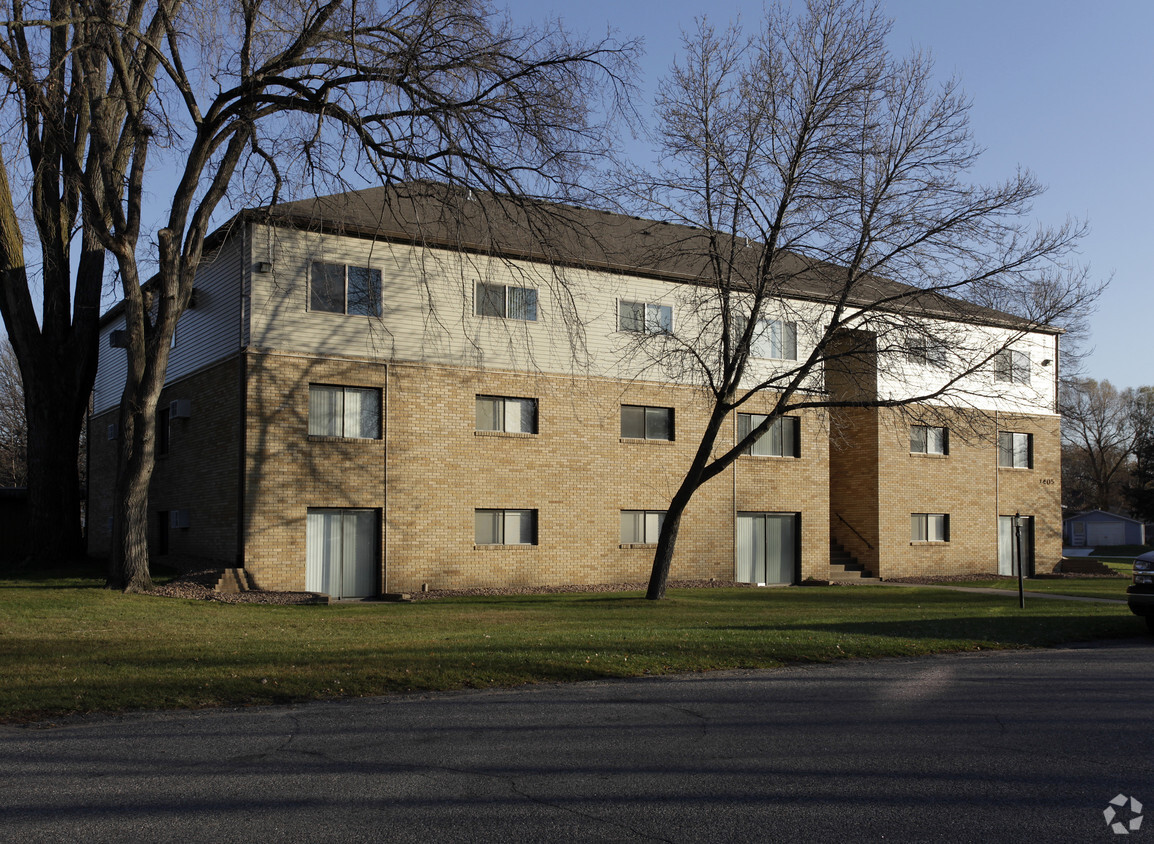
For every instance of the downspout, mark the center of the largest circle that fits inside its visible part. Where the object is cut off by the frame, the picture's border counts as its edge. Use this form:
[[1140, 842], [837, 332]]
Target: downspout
[[385, 481]]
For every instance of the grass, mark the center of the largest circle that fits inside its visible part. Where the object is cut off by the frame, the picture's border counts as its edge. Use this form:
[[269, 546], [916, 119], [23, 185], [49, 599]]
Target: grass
[[68, 646], [1083, 587]]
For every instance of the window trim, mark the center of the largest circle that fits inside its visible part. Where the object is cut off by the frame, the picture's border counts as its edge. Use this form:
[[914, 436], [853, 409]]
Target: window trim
[[925, 450], [924, 519], [746, 420], [345, 388], [647, 327], [1012, 367], [645, 422], [645, 541], [763, 335], [1012, 450], [373, 273], [505, 288], [505, 416], [503, 524]]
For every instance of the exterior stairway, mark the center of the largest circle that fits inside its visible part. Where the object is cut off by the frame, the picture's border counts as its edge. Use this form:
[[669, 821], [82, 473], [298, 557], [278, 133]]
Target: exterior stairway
[[233, 581], [844, 567]]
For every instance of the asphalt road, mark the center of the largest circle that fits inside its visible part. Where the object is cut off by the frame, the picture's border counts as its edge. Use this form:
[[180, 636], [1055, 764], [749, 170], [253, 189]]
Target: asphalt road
[[976, 747]]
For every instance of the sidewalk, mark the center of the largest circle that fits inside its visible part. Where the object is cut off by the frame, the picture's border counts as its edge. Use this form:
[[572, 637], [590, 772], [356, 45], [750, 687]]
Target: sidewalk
[[1011, 593]]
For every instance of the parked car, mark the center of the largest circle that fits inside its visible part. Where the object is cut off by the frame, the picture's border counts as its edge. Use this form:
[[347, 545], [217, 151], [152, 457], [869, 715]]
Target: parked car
[[1140, 593]]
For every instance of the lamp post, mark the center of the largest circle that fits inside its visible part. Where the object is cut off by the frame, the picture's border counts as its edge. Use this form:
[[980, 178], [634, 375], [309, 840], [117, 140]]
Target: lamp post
[[1018, 554]]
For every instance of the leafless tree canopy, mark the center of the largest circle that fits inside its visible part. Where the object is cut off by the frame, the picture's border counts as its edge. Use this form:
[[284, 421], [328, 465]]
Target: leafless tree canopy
[[13, 426], [248, 101], [812, 158]]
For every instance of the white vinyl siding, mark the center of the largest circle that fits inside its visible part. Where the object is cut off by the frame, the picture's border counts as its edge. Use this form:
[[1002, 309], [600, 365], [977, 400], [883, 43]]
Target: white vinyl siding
[[781, 439], [505, 527], [350, 412], [641, 527], [511, 415]]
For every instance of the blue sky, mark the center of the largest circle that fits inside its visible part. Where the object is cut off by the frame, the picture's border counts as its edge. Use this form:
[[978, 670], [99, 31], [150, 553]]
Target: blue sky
[[1062, 88]]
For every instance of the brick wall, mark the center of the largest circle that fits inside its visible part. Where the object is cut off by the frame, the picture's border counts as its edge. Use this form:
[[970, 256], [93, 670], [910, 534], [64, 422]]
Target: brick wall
[[576, 472], [199, 474]]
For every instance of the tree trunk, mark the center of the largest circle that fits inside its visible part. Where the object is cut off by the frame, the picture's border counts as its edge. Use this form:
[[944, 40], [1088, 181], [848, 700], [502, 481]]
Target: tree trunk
[[53, 479], [128, 563], [667, 540]]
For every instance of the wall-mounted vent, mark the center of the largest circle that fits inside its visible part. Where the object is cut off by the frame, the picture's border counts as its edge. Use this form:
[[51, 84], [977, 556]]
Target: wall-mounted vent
[[113, 431], [177, 519], [118, 339], [180, 409]]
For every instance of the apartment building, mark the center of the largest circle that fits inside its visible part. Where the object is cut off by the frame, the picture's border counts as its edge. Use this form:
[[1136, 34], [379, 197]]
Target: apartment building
[[373, 394]]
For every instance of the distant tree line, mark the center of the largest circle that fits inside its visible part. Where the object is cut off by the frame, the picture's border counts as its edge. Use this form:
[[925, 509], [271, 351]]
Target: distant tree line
[[1108, 448]]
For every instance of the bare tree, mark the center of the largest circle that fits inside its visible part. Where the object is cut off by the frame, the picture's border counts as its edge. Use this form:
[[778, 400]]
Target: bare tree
[[1098, 432], [13, 425], [248, 96], [827, 176]]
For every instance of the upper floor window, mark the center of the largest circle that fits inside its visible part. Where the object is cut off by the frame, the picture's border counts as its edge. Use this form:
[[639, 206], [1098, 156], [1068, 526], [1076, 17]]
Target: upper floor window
[[929, 527], [500, 413], [352, 412], [646, 423], [781, 439], [774, 338], [505, 527], [641, 527], [926, 439], [1015, 451], [503, 300], [341, 289], [925, 351], [1012, 366], [645, 317]]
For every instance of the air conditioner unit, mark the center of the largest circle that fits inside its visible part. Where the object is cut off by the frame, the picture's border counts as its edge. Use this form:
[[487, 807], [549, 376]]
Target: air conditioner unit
[[113, 431], [180, 409], [177, 519], [118, 339]]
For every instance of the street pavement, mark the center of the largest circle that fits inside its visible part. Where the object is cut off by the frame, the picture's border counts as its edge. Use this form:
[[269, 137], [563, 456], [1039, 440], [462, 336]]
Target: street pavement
[[992, 746]]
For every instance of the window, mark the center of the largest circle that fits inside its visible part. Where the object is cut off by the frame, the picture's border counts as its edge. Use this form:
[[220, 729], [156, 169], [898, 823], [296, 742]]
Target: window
[[352, 412], [162, 431], [781, 439], [505, 527], [929, 527], [926, 439], [1012, 366], [501, 300], [1015, 451], [645, 318], [646, 423], [340, 289], [774, 338], [498, 413], [925, 351], [641, 527]]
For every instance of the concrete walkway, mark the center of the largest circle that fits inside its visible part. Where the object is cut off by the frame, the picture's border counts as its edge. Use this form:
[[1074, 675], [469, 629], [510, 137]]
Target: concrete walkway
[[978, 590]]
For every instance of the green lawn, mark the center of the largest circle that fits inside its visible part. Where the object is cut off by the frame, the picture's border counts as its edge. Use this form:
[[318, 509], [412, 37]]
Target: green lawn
[[68, 646], [1084, 587]]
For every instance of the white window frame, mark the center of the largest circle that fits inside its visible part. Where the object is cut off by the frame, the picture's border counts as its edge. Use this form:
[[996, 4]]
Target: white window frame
[[925, 351], [784, 434], [774, 339], [641, 527], [374, 279], [507, 303], [316, 422], [1015, 450], [654, 317], [503, 420], [1012, 366], [929, 439], [930, 527], [499, 526], [648, 413]]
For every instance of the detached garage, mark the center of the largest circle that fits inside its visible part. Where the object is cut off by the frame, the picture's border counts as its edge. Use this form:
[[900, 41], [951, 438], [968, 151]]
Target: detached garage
[[1097, 527]]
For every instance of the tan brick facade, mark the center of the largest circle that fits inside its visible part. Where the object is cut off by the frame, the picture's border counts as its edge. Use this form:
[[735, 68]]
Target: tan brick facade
[[876, 483], [433, 469]]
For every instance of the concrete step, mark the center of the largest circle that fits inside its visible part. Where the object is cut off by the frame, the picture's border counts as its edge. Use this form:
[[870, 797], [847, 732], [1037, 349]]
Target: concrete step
[[233, 581]]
